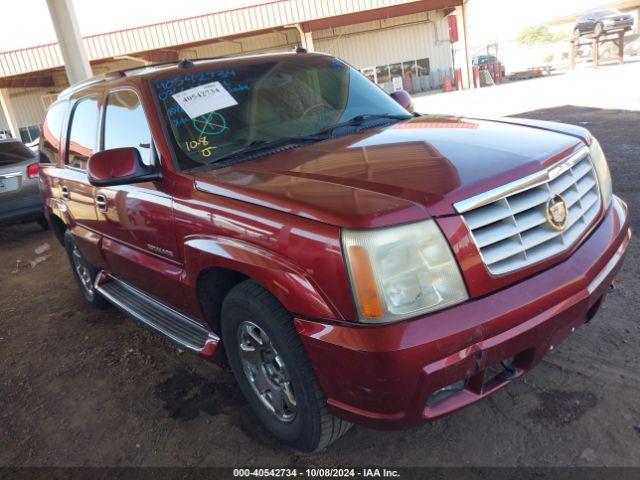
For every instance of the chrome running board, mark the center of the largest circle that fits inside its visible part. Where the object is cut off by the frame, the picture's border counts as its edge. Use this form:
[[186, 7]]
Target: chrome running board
[[157, 315]]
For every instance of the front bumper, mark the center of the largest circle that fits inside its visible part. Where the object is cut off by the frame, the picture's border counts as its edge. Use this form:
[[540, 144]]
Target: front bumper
[[384, 376]]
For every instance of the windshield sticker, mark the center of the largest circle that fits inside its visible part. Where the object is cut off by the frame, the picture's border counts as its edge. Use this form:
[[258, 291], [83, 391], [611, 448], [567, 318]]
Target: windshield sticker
[[181, 81], [210, 124], [200, 146], [204, 99]]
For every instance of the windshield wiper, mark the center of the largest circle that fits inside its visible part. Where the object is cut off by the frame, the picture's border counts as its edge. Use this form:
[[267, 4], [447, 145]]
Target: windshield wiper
[[259, 145], [325, 134], [360, 119]]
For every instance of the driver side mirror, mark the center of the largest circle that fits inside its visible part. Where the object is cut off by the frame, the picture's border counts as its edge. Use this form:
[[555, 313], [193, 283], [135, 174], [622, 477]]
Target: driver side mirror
[[119, 166], [404, 99]]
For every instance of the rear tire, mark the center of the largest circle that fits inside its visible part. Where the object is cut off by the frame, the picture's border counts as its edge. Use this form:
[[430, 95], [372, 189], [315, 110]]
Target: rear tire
[[42, 221], [260, 340], [84, 273]]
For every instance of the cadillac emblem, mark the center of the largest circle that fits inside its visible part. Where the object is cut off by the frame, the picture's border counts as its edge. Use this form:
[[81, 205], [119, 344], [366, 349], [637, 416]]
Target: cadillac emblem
[[557, 213]]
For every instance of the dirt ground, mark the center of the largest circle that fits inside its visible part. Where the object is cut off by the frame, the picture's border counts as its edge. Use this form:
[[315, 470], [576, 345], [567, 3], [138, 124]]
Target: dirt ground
[[92, 388]]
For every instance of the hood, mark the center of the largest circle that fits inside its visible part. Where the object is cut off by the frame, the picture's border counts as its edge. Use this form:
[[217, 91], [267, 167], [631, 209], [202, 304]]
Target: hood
[[405, 172]]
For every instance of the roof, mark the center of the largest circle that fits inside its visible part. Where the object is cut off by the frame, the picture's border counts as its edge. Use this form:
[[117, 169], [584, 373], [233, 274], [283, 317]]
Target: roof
[[176, 34]]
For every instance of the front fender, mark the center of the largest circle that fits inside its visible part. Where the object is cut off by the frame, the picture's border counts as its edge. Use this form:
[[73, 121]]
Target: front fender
[[291, 285]]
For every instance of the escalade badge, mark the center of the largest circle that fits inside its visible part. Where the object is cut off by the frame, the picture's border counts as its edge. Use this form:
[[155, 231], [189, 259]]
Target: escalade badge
[[557, 213]]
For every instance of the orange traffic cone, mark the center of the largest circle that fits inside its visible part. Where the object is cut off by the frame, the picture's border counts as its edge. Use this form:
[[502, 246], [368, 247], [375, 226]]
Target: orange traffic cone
[[447, 84]]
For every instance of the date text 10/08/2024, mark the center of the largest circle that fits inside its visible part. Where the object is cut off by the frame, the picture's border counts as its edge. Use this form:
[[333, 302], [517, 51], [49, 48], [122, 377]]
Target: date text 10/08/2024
[[317, 472]]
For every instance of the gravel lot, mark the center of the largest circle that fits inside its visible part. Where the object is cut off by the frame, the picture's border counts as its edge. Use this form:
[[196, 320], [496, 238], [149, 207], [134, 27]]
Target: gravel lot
[[92, 388]]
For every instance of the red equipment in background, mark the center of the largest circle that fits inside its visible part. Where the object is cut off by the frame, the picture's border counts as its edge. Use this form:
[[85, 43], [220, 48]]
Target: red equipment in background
[[457, 75], [453, 28], [495, 70]]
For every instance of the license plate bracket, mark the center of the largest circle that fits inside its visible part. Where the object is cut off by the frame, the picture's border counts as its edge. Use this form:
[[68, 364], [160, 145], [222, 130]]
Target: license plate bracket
[[9, 184]]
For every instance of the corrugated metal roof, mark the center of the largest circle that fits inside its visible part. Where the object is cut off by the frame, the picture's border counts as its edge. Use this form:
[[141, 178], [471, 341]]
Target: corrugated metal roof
[[192, 30]]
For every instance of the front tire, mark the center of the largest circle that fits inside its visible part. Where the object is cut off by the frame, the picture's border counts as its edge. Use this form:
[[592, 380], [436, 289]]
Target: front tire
[[273, 372], [84, 273]]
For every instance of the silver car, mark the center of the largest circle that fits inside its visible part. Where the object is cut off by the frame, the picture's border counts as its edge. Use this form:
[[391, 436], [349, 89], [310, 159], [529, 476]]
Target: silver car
[[20, 199]]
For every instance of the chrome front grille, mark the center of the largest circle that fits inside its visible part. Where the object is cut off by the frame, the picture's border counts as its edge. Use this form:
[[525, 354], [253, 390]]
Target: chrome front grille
[[509, 224]]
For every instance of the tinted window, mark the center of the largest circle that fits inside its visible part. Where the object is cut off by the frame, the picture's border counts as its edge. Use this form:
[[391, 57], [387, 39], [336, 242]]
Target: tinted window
[[14, 152], [82, 135], [423, 67], [232, 108], [51, 131], [125, 124], [382, 73], [30, 134]]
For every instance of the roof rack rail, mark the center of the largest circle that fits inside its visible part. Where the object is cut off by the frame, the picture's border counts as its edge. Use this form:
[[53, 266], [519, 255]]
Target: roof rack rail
[[194, 61], [80, 85], [114, 74]]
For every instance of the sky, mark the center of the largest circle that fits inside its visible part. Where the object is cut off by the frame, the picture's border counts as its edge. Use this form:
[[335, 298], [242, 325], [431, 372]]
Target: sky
[[26, 23], [98, 17]]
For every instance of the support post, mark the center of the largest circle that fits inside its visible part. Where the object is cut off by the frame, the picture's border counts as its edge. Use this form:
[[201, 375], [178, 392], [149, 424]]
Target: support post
[[620, 45], [76, 61], [306, 39], [9, 113], [575, 45], [463, 61], [595, 52]]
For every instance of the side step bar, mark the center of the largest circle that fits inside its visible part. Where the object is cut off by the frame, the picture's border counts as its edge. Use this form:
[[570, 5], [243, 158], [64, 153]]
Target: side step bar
[[155, 314]]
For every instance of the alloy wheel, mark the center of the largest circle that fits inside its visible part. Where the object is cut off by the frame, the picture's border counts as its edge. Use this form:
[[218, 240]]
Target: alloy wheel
[[82, 269], [266, 372]]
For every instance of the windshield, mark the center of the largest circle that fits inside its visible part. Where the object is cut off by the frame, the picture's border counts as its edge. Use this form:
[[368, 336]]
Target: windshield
[[214, 112]]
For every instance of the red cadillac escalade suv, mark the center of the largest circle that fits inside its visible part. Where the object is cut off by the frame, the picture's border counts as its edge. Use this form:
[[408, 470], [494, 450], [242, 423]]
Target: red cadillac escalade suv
[[352, 262]]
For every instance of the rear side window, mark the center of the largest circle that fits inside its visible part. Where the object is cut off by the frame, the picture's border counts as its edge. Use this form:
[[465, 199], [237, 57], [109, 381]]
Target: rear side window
[[14, 152], [82, 135], [125, 124], [51, 132]]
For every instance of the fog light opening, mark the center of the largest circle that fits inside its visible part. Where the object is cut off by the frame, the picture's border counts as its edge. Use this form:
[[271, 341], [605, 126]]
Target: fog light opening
[[446, 392], [594, 309], [509, 370]]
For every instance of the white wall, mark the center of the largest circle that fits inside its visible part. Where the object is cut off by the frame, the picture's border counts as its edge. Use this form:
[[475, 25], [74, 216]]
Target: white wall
[[276, 41], [3, 121], [405, 38], [28, 105]]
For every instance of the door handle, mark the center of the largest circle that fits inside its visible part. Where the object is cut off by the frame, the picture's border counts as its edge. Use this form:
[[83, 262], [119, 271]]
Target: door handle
[[65, 192], [101, 203]]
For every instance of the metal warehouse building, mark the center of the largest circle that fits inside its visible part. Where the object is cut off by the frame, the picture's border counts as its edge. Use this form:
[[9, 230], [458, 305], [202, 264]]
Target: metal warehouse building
[[396, 43]]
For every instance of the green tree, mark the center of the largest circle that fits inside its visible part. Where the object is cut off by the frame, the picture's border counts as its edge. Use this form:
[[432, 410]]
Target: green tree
[[536, 34]]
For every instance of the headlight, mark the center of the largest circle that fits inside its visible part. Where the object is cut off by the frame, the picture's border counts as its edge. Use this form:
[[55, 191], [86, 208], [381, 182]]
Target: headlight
[[401, 272], [602, 171]]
